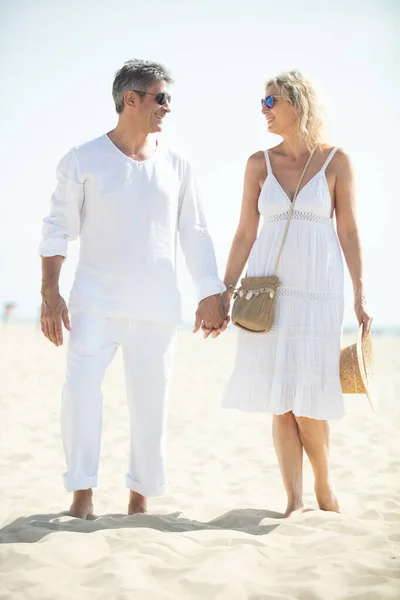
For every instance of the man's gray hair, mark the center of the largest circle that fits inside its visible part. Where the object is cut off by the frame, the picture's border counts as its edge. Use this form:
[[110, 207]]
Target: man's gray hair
[[137, 75]]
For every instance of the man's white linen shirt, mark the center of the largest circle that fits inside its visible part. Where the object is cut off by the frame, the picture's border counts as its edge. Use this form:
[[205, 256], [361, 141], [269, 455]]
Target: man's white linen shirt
[[128, 215]]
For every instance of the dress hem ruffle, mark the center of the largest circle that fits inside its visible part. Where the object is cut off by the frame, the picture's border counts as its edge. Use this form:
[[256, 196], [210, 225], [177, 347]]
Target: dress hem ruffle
[[265, 410], [305, 397]]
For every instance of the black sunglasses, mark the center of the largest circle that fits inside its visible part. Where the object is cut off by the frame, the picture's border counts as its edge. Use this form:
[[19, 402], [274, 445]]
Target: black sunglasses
[[161, 98], [269, 101]]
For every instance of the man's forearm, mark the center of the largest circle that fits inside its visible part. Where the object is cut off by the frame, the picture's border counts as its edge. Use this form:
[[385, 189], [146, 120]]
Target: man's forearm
[[51, 269]]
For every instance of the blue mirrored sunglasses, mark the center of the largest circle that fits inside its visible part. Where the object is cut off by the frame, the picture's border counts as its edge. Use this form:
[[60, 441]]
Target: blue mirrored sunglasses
[[268, 101]]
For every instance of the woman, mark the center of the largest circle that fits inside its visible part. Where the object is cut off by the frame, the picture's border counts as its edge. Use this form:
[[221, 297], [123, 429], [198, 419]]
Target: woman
[[293, 371]]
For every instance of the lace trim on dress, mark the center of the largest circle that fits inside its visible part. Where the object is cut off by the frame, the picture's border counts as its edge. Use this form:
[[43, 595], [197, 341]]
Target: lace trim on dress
[[299, 215], [303, 332], [323, 296]]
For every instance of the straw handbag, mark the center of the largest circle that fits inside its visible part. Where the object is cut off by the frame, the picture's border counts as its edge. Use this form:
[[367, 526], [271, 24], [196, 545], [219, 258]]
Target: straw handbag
[[254, 302]]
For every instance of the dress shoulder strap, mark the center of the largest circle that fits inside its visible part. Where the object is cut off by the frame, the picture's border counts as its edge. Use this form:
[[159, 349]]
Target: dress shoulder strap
[[328, 160], [267, 160]]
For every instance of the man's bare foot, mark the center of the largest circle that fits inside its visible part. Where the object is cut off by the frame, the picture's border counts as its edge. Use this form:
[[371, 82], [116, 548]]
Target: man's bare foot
[[82, 505], [326, 499], [137, 503], [292, 507]]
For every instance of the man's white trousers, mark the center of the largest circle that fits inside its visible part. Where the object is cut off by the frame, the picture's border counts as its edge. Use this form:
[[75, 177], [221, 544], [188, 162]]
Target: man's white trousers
[[148, 350]]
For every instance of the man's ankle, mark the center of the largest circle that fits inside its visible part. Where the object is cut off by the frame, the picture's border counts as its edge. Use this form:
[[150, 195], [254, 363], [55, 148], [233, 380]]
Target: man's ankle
[[83, 493]]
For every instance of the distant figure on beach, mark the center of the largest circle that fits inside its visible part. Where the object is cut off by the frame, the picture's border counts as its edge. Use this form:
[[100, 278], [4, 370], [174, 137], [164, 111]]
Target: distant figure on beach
[[292, 371], [128, 197], [8, 309]]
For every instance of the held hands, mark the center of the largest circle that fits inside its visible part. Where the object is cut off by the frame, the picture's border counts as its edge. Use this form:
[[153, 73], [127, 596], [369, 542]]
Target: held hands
[[54, 312], [363, 317], [211, 316]]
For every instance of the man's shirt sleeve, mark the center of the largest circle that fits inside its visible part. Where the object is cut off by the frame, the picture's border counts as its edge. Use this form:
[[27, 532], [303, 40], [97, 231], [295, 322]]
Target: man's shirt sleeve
[[64, 221], [195, 240]]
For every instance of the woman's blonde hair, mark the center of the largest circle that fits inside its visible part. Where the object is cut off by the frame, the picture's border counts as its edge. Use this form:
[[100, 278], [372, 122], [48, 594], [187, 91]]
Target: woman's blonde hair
[[302, 95]]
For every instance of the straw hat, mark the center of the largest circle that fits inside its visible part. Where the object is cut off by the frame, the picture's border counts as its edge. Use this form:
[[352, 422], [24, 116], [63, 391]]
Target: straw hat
[[356, 367]]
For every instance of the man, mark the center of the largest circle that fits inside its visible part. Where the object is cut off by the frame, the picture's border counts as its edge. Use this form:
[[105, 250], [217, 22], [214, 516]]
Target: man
[[127, 197]]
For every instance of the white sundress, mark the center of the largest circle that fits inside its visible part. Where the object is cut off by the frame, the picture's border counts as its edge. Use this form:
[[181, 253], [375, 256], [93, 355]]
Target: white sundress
[[295, 366]]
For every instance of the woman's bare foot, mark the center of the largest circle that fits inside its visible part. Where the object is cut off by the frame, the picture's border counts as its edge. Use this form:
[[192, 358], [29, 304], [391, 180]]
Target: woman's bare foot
[[293, 506], [82, 505], [326, 499], [137, 503]]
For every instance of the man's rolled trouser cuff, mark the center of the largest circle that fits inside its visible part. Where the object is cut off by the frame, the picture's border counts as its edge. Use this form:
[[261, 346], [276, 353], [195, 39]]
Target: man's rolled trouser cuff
[[72, 484], [146, 490]]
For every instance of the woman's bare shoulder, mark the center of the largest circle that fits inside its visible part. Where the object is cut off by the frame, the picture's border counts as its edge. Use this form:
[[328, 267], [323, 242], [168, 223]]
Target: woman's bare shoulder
[[341, 161], [340, 154], [257, 158], [256, 164]]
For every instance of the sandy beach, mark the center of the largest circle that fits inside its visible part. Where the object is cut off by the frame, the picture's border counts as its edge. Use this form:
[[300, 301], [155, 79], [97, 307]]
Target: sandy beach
[[218, 534]]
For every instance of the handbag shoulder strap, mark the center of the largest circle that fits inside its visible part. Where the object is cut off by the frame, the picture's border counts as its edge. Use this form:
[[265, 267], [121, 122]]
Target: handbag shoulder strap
[[292, 208]]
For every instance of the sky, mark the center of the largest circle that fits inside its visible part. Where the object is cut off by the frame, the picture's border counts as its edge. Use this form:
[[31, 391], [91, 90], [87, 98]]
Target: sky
[[57, 64]]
